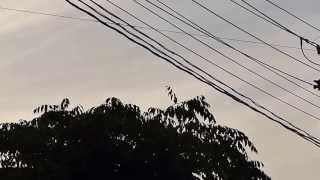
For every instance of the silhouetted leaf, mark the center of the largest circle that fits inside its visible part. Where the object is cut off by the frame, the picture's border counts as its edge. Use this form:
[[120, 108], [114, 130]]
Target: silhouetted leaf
[[118, 141]]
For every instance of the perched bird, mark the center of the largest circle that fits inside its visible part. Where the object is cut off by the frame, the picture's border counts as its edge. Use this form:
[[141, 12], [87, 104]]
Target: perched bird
[[317, 85]]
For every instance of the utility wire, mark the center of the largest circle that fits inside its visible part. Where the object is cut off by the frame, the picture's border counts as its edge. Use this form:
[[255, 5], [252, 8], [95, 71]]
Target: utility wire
[[277, 24], [225, 70], [47, 14], [303, 53], [254, 36], [289, 127], [293, 15], [263, 16], [141, 27], [209, 34], [191, 63], [266, 17], [92, 20], [256, 14], [190, 50], [270, 68], [157, 42]]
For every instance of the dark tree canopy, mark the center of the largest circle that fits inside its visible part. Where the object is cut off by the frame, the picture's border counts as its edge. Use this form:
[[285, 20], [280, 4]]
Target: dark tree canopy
[[118, 141]]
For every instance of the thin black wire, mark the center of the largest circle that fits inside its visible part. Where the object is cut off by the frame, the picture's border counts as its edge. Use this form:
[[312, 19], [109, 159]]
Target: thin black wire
[[225, 70], [135, 17], [170, 50], [54, 15], [277, 24], [267, 18], [250, 34], [190, 50], [92, 20], [163, 30], [263, 17], [46, 14], [251, 42], [202, 30], [303, 53], [293, 15], [293, 128], [256, 14], [149, 47]]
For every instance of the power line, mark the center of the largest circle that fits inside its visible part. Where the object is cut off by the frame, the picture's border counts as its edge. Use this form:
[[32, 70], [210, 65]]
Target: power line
[[270, 68], [291, 14], [46, 14], [126, 11], [250, 34], [277, 24], [304, 54], [82, 19], [141, 27], [256, 14], [294, 129], [206, 32], [287, 125], [228, 72]]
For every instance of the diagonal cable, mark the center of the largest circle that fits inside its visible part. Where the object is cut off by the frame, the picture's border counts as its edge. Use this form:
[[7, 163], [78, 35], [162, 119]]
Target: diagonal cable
[[254, 36], [294, 129]]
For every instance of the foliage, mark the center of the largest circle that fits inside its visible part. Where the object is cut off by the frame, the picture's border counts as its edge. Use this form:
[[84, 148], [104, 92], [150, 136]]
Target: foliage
[[118, 141]]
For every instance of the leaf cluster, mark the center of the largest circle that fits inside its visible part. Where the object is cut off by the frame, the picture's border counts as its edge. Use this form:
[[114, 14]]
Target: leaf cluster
[[118, 141]]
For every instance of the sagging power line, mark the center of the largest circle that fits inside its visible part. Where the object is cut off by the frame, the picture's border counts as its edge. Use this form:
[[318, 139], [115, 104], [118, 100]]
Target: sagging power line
[[265, 65], [274, 22], [142, 27], [293, 15], [210, 11], [234, 61], [218, 85]]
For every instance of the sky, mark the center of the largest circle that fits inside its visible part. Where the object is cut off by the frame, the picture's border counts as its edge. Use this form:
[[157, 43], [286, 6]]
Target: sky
[[45, 59]]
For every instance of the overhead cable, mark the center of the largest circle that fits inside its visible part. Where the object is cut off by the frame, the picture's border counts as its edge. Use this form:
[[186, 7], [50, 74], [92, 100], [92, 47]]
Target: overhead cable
[[228, 72], [254, 36], [289, 127], [265, 65], [292, 14], [141, 27], [277, 24]]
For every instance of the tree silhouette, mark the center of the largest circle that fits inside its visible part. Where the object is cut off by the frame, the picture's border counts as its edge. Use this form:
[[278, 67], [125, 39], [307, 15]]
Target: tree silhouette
[[118, 141]]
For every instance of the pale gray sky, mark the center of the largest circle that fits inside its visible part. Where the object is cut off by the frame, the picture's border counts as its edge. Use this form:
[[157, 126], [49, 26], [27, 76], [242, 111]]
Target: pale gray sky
[[44, 59]]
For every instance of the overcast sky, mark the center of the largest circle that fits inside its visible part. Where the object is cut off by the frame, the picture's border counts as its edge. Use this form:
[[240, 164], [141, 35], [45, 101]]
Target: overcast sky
[[44, 59]]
